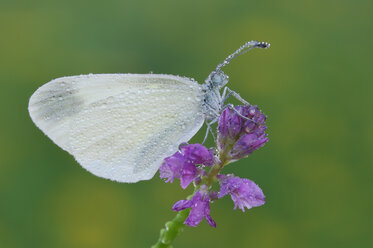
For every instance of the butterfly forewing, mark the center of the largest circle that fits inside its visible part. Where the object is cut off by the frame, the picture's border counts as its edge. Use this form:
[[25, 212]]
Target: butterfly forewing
[[119, 126]]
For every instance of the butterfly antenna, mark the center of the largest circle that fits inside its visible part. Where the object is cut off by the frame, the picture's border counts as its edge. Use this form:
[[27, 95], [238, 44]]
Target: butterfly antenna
[[243, 49]]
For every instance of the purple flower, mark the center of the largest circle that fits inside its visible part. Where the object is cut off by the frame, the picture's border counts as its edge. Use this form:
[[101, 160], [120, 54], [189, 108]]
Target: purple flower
[[240, 132], [244, 192], [244, 135], [198, 154], [200, 204], [188, 173], [182, 164], [172, 167], [246, 144]]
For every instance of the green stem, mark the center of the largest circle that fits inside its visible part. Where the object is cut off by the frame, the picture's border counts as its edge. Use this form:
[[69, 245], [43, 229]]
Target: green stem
[[214, 171], [171, 230]]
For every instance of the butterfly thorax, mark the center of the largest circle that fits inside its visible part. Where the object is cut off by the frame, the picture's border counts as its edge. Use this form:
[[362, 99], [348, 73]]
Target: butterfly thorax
[[211, 101], [212, 98]]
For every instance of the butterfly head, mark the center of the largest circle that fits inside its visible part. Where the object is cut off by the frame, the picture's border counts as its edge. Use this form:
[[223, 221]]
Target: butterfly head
[[218, 79]]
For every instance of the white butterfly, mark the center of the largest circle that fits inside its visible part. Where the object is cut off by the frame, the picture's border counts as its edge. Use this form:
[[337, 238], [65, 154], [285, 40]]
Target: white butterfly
[[122, 126]]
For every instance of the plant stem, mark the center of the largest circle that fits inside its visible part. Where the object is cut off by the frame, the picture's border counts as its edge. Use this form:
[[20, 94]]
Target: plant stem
[[214, 171], [171, 230]]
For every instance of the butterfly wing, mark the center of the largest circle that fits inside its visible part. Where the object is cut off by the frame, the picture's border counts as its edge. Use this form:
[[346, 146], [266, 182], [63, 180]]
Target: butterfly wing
[[119, 126]]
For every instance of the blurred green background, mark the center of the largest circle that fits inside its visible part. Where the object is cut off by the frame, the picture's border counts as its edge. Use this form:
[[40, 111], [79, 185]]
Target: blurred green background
[[314, 83]]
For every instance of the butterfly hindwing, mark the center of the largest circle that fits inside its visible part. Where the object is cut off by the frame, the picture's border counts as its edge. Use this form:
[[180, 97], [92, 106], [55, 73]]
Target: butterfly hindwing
[[119, 126]]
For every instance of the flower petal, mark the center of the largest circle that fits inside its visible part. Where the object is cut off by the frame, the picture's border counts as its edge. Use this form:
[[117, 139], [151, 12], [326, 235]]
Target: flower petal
[[181, 205], [188, 174], [198, 154], [246, 144], [223, 121], [244, 192], [210, 221], [172, 167]]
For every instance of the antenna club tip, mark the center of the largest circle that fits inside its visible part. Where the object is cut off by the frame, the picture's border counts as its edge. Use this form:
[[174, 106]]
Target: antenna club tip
[[263, 44]]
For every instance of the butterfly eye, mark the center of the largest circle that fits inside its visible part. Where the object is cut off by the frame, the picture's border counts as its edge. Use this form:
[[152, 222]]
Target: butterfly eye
[[219, 79]]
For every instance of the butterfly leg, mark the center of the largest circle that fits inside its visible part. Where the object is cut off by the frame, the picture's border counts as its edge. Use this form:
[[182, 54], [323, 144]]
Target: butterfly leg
[[226, 95], [231, 106], [209, 129]]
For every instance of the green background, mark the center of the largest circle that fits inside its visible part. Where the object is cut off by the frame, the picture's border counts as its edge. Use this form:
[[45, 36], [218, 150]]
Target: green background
[[314, 83]]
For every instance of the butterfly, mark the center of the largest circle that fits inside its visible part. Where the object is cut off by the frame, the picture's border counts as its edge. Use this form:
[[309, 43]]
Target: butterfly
[[122, 126]]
